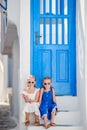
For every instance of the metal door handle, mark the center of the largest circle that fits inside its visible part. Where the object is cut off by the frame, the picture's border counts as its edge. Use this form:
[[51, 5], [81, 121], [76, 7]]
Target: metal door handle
[[36, 37]]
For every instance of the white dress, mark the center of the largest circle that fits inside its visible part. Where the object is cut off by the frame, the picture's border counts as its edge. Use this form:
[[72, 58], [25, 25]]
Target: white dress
[[31, 107]]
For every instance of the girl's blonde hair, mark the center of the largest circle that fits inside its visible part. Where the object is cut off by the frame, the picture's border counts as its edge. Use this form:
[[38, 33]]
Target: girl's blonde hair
[[31, 76]]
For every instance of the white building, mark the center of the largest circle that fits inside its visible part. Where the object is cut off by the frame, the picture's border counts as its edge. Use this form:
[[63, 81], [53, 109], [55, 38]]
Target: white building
[[3, 72], [16, 41]]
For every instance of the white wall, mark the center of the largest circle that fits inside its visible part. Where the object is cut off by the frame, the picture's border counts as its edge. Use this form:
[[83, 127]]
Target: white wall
[[14, 13], [15, 79], [81, 60], [24, 47], [3, 77], [85, 16], [19, 14], [1, 80]]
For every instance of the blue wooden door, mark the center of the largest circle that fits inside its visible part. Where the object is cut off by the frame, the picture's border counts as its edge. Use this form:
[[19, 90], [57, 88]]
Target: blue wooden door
[[53, 43]]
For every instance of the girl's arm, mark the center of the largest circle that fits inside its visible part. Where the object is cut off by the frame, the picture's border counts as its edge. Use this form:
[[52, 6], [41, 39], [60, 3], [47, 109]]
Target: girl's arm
[[54, 97], [37, 96], [25, 97], [41, 93]]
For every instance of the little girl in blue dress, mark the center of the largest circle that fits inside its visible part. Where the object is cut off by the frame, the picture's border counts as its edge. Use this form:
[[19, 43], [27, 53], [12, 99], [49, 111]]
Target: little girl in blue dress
[[48, 106]]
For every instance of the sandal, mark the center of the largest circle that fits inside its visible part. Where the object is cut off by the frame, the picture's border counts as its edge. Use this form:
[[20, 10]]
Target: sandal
[[47, 126], [27, 123], [37, 121], [52, 124]]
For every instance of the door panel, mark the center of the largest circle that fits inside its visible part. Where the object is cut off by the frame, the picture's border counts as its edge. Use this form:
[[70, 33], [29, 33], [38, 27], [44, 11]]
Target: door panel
[[53, 44]]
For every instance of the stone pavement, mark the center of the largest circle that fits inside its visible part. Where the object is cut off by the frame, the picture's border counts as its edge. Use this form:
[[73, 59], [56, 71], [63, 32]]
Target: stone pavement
[[6, 120]]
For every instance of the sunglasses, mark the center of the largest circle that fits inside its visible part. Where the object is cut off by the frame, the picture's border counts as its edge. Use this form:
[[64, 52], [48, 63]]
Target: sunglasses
[[47, 83], [31, 82]]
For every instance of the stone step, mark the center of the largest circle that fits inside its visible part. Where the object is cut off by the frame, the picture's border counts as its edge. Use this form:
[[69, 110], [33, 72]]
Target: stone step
[[6, 121], [51, 128], [66, 118], [56, 128], [69, 103], [4, 111], [63, 118], [7, 124]]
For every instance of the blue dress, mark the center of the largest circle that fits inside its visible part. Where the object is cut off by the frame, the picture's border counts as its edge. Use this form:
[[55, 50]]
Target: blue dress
[[47, 105]]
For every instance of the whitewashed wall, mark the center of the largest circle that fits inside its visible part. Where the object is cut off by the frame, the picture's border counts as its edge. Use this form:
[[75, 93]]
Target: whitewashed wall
[[24, 47], [15, 79], [85, 17], [82, 60], [3, 77], [14, 12], [19, 14]]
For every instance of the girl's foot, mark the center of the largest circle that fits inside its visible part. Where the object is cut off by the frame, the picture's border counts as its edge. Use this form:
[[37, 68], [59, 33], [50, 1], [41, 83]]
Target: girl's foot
[[52, 124], [27, 123], [37, 121], [47, 126]]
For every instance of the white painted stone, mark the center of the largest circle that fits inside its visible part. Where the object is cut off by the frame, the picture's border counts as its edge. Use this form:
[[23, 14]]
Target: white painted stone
[[67, 103]]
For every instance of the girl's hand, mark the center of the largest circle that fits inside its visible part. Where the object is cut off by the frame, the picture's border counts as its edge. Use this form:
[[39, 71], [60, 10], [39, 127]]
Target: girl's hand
[[30, 100], [25, 98]]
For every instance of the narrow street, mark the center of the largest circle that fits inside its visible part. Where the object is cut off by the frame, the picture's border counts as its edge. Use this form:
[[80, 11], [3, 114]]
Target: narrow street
[[6, 120]]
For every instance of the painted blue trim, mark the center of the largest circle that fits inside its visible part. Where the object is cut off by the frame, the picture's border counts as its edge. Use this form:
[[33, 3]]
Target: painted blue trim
[[50, 31], [63, 30], [44, 31], [56, 31], [72, 42], [55, 16], [61, 7], [44, 5], [39, 27], [4, 7], [50, 6], [31, 35]]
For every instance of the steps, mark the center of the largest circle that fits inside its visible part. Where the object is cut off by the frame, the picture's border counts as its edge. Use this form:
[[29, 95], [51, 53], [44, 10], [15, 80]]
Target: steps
[[68, 117], [67, 103], [6, 121], [69, 113], [55, 128]]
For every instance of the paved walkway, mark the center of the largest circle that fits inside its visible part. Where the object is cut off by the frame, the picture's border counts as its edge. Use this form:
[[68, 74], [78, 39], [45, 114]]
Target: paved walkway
[[6, 121]]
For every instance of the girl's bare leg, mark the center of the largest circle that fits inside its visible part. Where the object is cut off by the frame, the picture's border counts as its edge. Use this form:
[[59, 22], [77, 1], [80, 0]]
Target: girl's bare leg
[[46, 124], [37, 121], [27, 118], [53, 117]]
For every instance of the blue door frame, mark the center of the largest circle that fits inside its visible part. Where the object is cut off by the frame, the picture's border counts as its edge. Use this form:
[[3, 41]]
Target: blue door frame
[[4, 6], [50, 56]]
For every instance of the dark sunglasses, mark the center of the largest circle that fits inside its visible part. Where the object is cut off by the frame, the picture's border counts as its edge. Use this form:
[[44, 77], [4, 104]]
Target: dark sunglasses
[[31, 82], [47, 83]]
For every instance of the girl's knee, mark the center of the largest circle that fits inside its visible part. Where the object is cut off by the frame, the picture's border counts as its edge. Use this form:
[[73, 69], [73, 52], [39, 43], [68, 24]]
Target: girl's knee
[[54, 111]]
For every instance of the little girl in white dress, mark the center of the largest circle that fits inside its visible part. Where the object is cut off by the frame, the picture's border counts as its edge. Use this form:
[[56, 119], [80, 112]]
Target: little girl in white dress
[[31, 97]]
